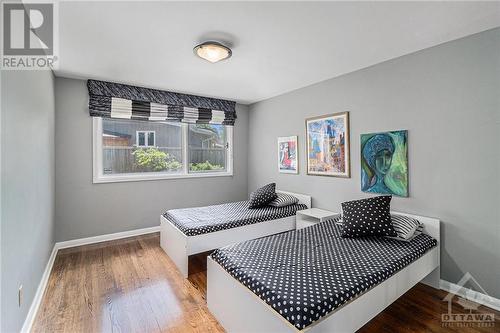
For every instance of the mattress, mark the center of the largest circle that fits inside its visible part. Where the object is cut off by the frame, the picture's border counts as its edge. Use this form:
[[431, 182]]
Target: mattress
[[306, 274], [202, 220]]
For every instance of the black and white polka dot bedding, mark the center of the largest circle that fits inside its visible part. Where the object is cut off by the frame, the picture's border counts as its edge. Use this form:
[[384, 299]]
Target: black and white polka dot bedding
[[203, 220], [306, 274]]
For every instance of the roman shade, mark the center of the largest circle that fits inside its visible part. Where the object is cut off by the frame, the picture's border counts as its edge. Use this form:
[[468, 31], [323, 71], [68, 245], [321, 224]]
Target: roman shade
[[114, 100]]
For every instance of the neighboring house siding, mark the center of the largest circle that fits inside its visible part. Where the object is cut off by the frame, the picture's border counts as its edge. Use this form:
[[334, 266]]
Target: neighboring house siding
[[199, 137], [166, 135]]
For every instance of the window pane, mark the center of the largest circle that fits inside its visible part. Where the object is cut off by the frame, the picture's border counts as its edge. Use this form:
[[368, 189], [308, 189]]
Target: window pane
[[140, 139], [121, 155], [151, 139], [207, 148]]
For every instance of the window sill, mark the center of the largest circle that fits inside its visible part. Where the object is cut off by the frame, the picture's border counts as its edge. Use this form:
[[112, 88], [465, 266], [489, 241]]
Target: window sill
[[141, 177]]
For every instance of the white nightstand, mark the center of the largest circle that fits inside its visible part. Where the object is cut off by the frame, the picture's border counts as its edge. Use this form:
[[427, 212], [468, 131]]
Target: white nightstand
[[308, 217]]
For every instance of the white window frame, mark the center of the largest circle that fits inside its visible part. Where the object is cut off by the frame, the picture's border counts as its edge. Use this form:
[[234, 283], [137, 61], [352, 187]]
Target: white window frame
[[146, 137], [100, 177]]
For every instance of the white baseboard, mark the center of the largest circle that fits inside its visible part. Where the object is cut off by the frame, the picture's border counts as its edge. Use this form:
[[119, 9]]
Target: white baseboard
[[470, 294], [104, 238], [37, 299]]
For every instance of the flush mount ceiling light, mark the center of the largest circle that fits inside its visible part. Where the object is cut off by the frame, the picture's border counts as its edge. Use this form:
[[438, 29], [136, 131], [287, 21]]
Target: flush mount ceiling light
[[212, 51]]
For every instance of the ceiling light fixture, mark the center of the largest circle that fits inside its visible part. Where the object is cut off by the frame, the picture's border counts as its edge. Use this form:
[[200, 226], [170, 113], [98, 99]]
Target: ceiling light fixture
[[212, 51]]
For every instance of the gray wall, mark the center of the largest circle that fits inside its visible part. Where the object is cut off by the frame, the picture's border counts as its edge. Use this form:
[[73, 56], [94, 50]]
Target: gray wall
[[85, 209], [27, 192], [448, 97]]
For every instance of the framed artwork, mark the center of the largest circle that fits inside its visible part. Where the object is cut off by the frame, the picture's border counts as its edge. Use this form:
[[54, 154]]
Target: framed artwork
[[287, 155], [328, 145], [384, 163]]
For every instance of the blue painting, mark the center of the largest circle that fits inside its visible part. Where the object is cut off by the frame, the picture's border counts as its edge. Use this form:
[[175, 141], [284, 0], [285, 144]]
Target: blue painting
[[384, 163], [328, 145]]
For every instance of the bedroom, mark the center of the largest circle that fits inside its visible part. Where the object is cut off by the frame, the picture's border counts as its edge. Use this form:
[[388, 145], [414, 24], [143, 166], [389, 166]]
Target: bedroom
[[131, 159]]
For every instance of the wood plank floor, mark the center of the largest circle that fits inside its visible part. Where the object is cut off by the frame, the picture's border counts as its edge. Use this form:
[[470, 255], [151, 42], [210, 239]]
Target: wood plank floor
[[131, 285]]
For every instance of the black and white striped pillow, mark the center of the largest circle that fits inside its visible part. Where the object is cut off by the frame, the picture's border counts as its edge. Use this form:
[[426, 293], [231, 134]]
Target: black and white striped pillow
[[406, 227], [283, 200]]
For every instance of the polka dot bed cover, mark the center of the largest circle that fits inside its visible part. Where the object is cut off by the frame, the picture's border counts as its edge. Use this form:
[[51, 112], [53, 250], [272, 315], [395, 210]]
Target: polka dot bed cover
[[202, 220], [306, 274]]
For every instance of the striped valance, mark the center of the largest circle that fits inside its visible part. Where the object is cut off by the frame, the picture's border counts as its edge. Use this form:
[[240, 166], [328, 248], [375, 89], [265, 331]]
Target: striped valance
[[114, 100]]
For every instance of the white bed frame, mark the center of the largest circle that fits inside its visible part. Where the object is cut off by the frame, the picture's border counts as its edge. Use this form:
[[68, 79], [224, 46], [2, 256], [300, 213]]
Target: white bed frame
[[239, 310], [179, 247]]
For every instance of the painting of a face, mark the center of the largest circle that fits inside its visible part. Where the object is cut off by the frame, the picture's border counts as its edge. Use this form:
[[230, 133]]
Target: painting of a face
[[384, 163]]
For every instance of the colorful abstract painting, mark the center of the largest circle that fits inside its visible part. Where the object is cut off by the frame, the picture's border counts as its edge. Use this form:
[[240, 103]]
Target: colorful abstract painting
[[384, 163], [328, 145], [287, 154]]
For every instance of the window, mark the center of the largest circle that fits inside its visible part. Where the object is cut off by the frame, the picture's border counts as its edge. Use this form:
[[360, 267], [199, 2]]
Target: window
[[145, 138], [207, 148], [129, 150]]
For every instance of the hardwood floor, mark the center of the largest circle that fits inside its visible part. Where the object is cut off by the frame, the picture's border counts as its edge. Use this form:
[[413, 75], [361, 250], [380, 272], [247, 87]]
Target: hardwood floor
[[121, 286], [132, 286]]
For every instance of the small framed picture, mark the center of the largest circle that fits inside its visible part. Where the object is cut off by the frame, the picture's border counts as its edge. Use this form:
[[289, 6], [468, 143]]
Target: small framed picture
[[328, 145], [287, 155]]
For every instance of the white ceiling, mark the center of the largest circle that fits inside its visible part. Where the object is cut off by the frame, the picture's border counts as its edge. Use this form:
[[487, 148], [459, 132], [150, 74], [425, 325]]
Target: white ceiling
[[277, 47]]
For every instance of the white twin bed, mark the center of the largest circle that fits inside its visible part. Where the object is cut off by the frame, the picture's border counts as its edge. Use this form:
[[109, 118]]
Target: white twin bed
[[239, 309], [250, 278], [180, 246]]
